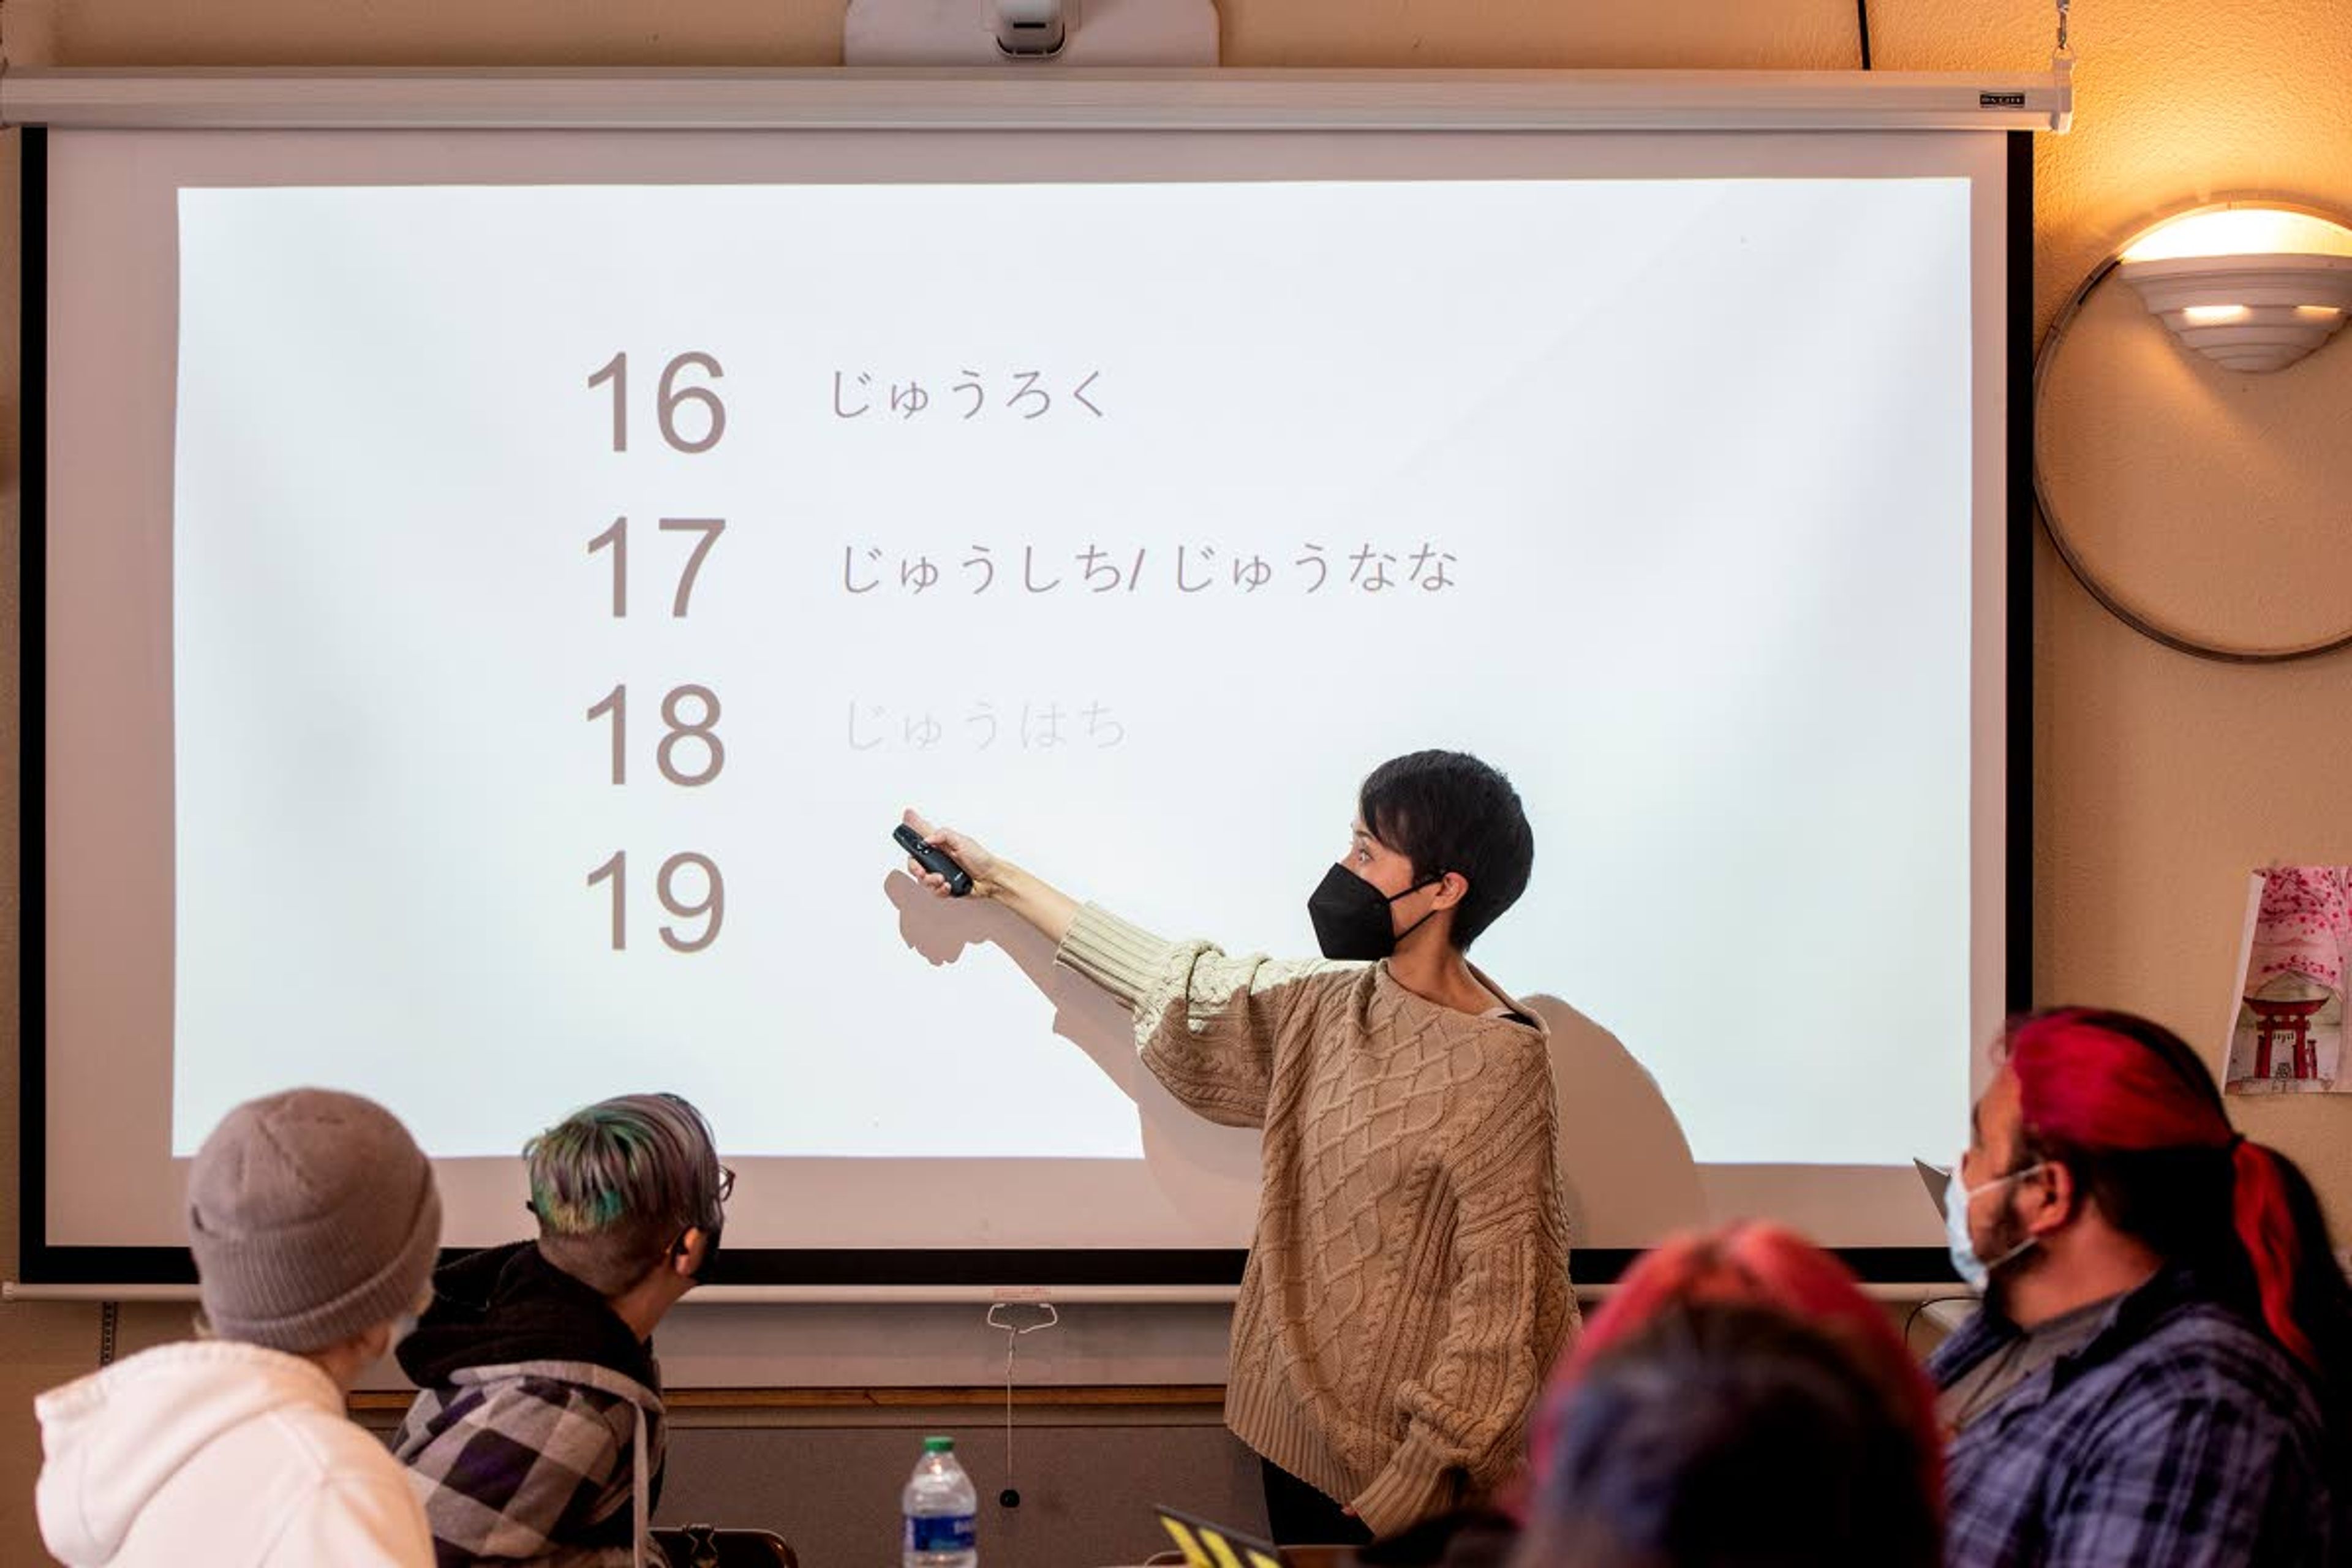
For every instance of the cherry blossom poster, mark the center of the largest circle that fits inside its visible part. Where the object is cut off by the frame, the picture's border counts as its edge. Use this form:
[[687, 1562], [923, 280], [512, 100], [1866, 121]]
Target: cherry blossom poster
[[2286, 1033]]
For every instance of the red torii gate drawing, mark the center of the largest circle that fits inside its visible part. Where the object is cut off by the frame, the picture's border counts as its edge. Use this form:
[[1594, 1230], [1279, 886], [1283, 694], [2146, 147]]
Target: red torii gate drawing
[[2279, 1025]]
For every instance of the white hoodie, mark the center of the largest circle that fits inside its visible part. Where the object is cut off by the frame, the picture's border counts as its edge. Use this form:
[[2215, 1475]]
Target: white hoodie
[[220, 1454]]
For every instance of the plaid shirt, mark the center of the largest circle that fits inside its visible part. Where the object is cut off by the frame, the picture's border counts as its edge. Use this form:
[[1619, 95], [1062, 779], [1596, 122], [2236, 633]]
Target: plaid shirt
[[2180, 1436], [535, 1462]]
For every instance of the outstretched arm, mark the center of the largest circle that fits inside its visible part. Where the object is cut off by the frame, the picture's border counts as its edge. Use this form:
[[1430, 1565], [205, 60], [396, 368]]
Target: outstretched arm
[[997, 879], [1206, 1023]]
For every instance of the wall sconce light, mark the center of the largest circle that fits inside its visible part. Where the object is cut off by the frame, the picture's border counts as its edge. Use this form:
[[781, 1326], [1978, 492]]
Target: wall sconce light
[[2251, 286]]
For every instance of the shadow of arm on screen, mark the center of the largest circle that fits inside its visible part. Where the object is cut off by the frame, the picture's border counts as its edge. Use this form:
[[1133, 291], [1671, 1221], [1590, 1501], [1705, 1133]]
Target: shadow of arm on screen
[[1628, 1167], [943, 929]]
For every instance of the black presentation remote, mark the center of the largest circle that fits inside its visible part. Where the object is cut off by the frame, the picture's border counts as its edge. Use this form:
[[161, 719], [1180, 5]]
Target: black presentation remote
[[932, 859]]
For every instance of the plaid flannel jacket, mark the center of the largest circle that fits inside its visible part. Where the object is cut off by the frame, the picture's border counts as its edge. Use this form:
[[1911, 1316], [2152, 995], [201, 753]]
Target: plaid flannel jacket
[[2180, 1436], [533, 1462]]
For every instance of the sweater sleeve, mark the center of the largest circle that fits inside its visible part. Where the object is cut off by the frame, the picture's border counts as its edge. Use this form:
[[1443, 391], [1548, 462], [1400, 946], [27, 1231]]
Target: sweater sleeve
[[1511, 1309], [1206, 1024]]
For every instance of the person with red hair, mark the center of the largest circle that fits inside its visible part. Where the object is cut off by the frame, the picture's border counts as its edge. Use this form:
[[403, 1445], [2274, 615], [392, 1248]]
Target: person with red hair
[[1755, 1263], [2158, 1372], [1737, 1401]]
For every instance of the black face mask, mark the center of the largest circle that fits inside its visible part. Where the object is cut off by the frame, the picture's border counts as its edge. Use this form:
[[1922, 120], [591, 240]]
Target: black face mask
[[1351, 916]]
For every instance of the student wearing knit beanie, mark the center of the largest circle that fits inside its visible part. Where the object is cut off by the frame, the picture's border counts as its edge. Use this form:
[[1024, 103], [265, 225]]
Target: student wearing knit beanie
[[314, 1222]]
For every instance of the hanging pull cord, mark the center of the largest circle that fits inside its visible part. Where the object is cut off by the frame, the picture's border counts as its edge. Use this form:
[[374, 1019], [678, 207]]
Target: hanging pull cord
[[1011, 1496]]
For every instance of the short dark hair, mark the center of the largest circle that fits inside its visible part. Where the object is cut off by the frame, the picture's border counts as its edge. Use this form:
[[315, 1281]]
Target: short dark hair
[[1448, 811], [1731, 1434]]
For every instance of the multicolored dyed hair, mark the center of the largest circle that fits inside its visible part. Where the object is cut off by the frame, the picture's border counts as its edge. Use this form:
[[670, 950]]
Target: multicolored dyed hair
[[1729, 1433], [614, 1184], [1757, 1264]]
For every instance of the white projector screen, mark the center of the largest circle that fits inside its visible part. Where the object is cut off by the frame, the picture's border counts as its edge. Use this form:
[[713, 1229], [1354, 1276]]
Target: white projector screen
[[502, 588]]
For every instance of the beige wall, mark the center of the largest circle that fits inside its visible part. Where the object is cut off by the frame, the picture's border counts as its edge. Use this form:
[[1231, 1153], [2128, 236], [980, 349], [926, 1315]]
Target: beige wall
[[2160, 780]]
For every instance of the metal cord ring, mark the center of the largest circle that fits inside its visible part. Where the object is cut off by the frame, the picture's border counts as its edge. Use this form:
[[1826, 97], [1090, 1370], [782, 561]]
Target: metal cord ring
[[2146, 625]]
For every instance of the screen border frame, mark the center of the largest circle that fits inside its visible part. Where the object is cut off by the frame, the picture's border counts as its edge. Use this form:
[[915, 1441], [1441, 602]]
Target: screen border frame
[[84, 1267]]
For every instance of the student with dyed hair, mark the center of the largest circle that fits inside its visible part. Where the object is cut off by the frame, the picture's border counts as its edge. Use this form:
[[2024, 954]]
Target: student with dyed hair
[[1737, 1401], [538, 1434], [1726, 1432], [2160, 1370], [1753, 1263]]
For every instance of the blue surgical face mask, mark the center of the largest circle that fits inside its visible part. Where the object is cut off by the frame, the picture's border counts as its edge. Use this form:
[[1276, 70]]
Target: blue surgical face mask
[[1974, 1271]]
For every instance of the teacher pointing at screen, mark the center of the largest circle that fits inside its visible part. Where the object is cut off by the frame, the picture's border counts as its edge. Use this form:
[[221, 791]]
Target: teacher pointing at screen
[[1407, 1287]]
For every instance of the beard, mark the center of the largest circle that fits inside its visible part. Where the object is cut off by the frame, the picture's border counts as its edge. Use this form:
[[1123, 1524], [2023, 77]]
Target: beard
[[2005, 1245]]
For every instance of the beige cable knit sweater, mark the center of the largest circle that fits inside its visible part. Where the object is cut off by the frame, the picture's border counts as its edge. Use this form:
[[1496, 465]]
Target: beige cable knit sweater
[[1407, 1290]]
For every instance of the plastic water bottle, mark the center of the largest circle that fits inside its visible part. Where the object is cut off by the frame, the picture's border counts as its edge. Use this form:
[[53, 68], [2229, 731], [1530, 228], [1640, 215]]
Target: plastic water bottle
[[941, 1508]]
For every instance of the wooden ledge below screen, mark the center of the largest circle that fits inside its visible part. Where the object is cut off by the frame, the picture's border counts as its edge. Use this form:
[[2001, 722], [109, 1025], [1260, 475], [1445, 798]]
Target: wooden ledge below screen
[[1164, 1396]]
